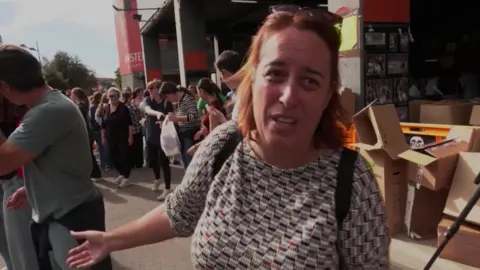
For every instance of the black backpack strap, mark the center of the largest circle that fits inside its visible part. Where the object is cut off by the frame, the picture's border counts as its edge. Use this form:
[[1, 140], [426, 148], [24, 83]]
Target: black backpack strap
[[343, 192], [226, 151]]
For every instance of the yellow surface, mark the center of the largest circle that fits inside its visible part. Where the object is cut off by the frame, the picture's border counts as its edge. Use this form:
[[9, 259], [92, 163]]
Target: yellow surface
[[349, 33]]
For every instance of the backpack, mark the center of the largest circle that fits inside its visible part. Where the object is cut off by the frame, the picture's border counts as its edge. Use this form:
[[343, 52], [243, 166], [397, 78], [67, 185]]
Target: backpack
[[343, 191]]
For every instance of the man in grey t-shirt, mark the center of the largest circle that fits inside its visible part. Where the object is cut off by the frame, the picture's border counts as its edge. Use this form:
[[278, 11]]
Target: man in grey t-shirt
[[52, 145]]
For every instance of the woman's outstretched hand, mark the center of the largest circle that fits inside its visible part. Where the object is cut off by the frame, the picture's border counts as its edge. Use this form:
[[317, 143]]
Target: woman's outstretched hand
[[91, 252]]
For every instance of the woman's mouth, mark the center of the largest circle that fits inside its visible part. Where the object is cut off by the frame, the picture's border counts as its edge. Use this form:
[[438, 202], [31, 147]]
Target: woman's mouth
[[284, 120]]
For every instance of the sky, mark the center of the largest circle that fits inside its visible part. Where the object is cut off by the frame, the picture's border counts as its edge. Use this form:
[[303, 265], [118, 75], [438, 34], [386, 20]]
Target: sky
[[85, 28]]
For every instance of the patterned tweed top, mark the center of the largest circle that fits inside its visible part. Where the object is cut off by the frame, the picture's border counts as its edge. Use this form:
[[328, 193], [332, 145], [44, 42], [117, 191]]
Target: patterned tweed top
[[252, 215]]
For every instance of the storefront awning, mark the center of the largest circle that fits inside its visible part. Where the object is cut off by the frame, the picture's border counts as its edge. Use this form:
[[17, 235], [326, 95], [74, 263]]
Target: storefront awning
[[165, 10]]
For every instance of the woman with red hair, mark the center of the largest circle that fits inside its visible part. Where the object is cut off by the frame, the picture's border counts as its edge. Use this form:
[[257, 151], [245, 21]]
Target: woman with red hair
[[275, 190]]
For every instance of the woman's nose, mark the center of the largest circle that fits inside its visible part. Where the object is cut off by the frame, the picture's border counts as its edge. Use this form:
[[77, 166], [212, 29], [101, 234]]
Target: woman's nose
[[288, 94]]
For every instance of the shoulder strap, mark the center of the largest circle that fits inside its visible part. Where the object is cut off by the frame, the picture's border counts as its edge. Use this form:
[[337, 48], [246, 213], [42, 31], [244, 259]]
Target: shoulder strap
[[226, 151], [343, 192]]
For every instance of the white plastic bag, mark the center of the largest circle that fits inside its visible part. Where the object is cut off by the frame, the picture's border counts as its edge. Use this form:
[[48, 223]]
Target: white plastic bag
[[169, 139]]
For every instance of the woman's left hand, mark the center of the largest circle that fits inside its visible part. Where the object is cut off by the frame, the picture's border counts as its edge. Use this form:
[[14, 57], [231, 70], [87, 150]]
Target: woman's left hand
[[130, 140]]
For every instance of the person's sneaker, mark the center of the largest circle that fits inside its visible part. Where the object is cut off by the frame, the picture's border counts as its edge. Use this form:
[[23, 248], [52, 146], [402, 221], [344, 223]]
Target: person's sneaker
[[118, 180], [156, 185], [124, 183], [164, 194], [96, 179]]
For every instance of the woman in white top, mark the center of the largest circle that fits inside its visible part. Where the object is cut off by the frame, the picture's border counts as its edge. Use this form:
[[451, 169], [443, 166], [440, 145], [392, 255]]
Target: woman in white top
[[272, 204]]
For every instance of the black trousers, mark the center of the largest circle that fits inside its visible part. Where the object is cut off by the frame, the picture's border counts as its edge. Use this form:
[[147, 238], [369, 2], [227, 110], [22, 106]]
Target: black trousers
[[96, 173], [120, 154], [87, 216], [157, 159], [137, 150]]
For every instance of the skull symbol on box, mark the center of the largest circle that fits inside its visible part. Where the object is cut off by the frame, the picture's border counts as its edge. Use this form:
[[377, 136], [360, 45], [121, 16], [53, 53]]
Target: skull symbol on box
[[416, 142]]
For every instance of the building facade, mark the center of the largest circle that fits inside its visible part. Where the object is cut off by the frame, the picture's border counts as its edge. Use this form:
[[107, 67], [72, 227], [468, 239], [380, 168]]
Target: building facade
[[129, 44]]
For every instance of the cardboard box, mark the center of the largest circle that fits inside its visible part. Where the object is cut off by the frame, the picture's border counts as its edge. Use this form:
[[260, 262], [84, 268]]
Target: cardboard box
[[475, 116], [378, 129], [424, 209], [391, 180], [463, 247], [414, 109], [433, 165], [380, 141], [446, 113], [463, 187]]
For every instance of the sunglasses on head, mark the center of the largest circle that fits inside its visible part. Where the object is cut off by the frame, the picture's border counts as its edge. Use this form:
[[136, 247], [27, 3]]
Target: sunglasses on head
[[316, 13]]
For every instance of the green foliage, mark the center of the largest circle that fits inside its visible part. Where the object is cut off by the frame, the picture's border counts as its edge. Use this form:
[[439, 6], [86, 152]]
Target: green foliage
[[65, 71], [118, 78]]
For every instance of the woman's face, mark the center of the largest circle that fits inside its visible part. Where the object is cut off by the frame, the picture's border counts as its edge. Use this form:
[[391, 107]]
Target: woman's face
[[113, 96], [291, 87], [201, 93], [153, 92]]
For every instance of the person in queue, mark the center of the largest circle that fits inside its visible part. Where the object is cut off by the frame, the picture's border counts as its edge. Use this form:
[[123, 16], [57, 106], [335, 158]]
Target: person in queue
[[52, 145], [7, 126], [156, 108], [80, 98], [137, 115], [192, 89], [117, 132], [105, 162], [186, 117], [101, 109], [202, 103], [209, 92], [272, 205], [229, 63], [16, 217]]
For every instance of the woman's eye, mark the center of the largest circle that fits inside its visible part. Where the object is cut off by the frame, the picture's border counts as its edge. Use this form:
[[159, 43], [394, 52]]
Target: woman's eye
[[273, 75], [312, 83]]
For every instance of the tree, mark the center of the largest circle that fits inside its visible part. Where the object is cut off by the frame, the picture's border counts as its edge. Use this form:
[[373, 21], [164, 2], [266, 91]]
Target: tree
[[65, 71], [118, 78]]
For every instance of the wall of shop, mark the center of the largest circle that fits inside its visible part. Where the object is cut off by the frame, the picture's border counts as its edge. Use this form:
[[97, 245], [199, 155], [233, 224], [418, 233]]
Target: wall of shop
[[350, 62]]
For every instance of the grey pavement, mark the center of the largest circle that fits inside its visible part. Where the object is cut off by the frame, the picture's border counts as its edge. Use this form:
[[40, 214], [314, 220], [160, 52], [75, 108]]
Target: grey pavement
[[124, 205]]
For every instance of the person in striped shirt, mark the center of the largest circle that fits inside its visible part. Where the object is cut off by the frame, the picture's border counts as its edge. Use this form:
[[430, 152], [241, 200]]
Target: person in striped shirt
[[187, 116]]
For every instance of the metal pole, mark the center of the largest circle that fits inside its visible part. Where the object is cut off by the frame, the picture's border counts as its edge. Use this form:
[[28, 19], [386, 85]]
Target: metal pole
[[178, 28], [216, 50], [38, 53]]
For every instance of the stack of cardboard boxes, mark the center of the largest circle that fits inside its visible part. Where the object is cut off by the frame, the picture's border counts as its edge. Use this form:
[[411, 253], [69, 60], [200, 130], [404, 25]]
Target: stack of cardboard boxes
[[420, 185], [445, 112]]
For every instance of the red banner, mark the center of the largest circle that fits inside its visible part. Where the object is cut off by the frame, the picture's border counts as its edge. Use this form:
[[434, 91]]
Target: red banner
[[129, 44], [381, 11]]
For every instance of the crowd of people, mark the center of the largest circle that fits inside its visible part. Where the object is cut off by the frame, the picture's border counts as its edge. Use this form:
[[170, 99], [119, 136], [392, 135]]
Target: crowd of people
[[268, 184]]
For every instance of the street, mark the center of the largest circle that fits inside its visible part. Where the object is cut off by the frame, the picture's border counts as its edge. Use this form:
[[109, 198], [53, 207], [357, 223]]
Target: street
[[124, 205]]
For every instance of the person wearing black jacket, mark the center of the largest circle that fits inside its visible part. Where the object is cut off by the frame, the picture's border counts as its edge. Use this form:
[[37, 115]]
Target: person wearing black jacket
[[79, 97], [156, 108], [117, 132]]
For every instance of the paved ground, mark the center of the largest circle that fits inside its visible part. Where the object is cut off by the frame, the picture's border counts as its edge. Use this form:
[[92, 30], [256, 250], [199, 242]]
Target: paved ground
[[124, 205]]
